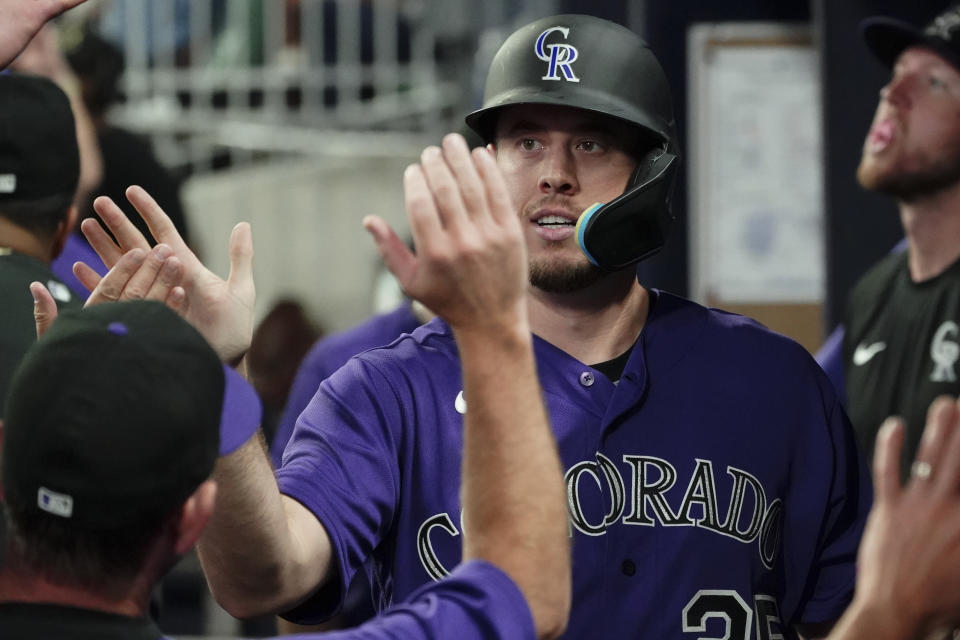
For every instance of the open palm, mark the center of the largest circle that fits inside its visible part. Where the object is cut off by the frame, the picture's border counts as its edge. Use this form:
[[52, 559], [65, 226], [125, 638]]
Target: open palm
[[221, 310]]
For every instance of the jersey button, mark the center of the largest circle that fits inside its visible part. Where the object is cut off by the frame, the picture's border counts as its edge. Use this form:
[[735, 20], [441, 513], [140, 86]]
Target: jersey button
[[628, 568], [586, 379]]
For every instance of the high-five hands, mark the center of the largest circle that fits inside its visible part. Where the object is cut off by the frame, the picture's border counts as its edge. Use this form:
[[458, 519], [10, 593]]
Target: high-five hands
[[470, 265], [138, 275], [221, 310]]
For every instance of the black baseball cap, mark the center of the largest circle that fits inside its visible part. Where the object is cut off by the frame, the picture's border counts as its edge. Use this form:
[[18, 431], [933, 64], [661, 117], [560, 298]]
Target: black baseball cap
[[118, 413], [888, 37], [39, 156]]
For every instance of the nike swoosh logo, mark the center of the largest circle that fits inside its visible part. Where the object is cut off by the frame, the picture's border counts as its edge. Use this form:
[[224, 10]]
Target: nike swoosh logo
[[864, 353], [460, 404]]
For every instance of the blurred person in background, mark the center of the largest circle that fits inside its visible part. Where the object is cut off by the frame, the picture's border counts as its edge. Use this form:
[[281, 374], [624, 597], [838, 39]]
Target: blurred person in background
[[127, 158], [44, 57], [39, 172], [902, 342], [280, 342]]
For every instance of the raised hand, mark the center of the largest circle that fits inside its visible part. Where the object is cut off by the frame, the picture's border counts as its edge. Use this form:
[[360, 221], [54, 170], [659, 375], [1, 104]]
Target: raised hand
[[20, 20], [909, 560], [470, 265], [221, 310], [138, 275]]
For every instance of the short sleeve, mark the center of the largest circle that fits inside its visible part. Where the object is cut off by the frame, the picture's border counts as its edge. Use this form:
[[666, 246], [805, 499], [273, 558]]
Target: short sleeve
[[477, 601], [832, 576], [341, 464]]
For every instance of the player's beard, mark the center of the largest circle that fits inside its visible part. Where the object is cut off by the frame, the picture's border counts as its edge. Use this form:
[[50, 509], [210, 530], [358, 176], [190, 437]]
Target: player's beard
[[906, 186], [548, 276]]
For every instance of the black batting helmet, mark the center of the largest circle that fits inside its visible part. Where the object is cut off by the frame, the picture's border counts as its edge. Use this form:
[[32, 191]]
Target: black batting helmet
[[592, 64]]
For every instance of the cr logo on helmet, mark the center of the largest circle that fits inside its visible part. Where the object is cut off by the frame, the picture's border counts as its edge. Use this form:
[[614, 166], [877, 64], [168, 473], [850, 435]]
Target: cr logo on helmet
[[559, 56]]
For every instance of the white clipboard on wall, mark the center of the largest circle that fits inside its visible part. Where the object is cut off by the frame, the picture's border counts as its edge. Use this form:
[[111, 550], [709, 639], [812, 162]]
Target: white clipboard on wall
[[755, 173]]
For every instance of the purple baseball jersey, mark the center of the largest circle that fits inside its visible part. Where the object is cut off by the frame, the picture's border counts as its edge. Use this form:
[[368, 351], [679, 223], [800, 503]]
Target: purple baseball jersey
[[329, 354], [477, 601], [830, 357], [716, 489]]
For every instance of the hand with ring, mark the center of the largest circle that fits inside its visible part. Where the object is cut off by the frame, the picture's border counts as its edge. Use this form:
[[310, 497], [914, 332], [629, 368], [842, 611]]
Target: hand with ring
[[908, 580], [920, 470]]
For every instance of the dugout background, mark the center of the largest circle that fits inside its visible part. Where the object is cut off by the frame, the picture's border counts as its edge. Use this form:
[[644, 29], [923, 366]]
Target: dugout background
[[252, 146], [860, 227]]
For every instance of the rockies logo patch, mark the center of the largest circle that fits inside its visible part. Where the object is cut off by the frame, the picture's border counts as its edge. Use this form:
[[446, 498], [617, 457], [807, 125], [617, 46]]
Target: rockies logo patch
[[558, 56]]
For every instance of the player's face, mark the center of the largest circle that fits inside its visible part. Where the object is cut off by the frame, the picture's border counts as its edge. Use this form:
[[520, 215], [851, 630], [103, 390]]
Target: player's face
[[913, 148], [557, 161]]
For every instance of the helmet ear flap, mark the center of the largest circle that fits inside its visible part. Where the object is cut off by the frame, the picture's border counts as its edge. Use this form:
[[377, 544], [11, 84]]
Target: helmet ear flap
[[634, 225], [654, 149]]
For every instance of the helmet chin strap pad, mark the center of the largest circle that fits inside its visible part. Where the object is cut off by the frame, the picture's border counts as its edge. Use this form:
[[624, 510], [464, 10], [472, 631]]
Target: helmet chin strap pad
[[634, 225]]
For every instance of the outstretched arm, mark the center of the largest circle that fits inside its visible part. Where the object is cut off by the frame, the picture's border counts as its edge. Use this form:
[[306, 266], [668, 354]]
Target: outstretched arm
[[470, 268], [908, 582], [20, 20], [261, 551], [465, 231]]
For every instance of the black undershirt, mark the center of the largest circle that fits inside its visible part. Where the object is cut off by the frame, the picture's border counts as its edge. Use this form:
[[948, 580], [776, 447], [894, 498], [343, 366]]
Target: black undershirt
[[21, 621], [613, 369]]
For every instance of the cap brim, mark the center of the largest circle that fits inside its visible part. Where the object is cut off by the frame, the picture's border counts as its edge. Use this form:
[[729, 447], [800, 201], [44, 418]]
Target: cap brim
[[888, 37], [242, 411]]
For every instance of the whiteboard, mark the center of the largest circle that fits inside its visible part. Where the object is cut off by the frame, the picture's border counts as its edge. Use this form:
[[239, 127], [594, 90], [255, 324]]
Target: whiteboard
[[756, 187]]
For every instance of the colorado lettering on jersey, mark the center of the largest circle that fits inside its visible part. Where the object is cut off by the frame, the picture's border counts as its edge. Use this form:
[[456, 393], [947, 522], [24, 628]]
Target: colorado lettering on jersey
[[655, 499]]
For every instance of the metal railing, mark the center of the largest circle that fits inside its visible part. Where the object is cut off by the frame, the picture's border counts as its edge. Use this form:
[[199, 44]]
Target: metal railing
[[214, 78]]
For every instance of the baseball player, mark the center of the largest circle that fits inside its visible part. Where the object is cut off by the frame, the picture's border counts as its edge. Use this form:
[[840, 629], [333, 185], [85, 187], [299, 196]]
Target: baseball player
[[713, 484], [900, 350], [39, 170]]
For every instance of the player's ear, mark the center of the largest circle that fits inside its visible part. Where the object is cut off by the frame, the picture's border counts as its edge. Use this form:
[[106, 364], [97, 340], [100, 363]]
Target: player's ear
[[194, 515], [64, 229]]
